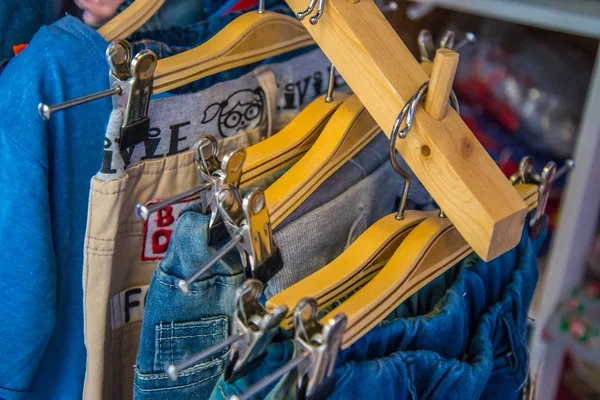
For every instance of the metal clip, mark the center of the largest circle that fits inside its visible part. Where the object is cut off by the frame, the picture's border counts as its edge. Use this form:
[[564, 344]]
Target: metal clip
[[425, 43], [255, 325], [135, 99], [131, 83], [253, 329], [526, 175], [248, 223], [212, 174], [250, 220], [316, 346]]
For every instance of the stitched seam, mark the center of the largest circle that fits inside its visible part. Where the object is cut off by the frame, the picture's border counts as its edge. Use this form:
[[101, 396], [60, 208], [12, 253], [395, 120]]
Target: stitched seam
[[221, 390], [172, 356], [177, 387], [89, 45], [196, 326], [177, 167], [121, 234], [26, 151], [196, 369], [194, 290], [192, 327], [188, 337]]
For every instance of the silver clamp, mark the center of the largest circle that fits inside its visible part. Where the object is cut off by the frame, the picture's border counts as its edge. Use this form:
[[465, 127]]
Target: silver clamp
[[212, 174], [316, 350], [253, 329], [131, 82], [249, 220], [526, 175], [134, 77], [256, 328], [249, 225]]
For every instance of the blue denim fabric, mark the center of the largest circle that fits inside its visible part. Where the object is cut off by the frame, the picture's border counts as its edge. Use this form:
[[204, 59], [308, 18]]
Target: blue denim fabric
[[461, 337], [44, 187], [175, 13], [203, 314], [176, 326], [21, 19], [169, 42]]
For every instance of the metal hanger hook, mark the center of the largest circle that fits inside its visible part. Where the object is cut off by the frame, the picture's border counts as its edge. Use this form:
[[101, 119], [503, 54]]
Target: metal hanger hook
[[311, 7], [401, 172]]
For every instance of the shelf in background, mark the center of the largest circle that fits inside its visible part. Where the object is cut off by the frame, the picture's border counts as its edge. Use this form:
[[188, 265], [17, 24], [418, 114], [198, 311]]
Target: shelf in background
[[580, 17]]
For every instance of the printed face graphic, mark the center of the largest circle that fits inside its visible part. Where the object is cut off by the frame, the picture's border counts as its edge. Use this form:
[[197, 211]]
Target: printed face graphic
[[242, 110]]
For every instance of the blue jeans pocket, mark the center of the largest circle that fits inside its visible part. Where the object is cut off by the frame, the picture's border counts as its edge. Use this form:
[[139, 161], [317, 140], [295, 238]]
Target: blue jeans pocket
[[174, 342]]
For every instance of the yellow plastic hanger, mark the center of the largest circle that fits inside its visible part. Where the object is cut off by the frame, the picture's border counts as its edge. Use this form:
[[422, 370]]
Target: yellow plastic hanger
[[350, 128]]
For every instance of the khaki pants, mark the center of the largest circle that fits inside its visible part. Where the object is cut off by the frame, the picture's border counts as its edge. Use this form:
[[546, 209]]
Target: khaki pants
[[121, 254]]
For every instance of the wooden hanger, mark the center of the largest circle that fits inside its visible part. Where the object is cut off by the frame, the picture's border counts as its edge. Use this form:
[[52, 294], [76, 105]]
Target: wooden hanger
[[358, 264], [292, 142], [252, 37], [364, 258], [444, 154], [130, 20], [432, 247], [350, 128]]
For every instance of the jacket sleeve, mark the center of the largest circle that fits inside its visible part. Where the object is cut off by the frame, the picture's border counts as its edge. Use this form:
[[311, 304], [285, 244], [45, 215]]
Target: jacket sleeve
[[27, 269]]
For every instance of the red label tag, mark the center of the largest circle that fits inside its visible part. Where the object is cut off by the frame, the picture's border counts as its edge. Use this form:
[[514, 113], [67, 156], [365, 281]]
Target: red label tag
[[158, 229], [19, 48]]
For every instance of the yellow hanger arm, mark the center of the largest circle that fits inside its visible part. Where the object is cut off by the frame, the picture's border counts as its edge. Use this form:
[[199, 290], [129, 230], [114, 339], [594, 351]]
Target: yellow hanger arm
[[289, 144], [249, 38], [347, 132], [130, 20], [354, 267], [430, 249], [445, 155]]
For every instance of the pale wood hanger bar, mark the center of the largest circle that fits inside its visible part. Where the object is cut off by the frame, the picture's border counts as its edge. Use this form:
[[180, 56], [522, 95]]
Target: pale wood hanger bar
[[446, 157], [130, 20], [431, 248], [251, 37]]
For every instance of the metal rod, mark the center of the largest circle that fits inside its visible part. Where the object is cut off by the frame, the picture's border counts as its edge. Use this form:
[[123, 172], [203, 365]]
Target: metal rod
[[261, 6], [184, 284], [468, 39], [329, 97], [417, 11], [143, 212], [569, 165], [266, 381], [46, 111], [173, 370], [389, 7]]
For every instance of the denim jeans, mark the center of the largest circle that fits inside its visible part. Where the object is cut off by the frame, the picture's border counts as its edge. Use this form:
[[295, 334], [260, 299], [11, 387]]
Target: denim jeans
[[175, 40], [461, 337], [195, 321]]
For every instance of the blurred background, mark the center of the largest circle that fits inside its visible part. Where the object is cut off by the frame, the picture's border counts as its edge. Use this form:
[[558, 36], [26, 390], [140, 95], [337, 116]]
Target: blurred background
[[528, 85]]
